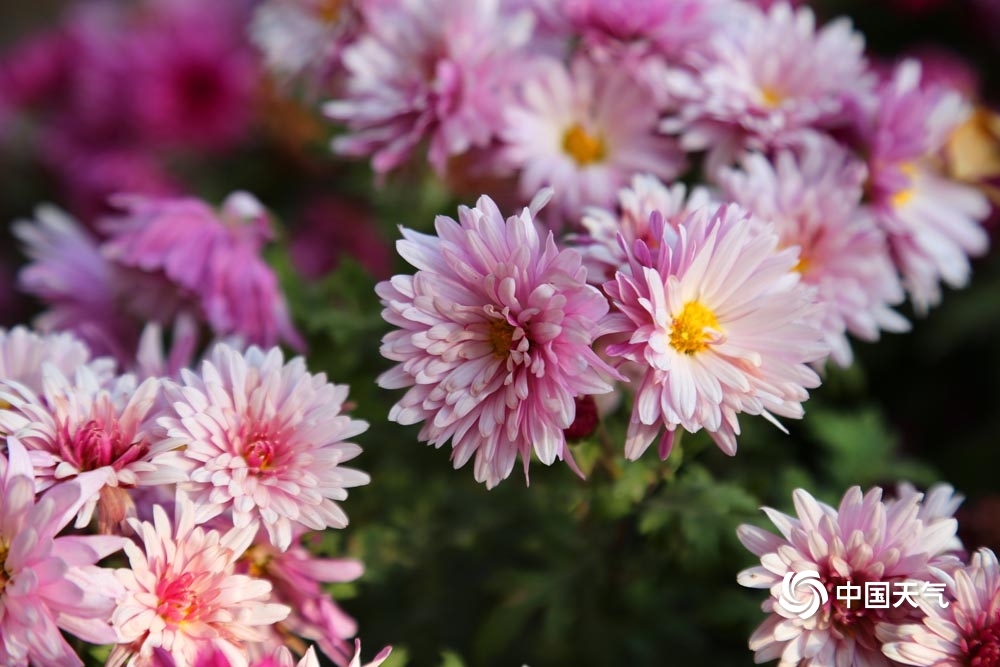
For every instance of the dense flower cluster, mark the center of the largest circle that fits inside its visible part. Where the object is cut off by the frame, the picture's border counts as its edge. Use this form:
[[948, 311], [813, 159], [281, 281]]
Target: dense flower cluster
[[244, 453], [687, 213], [952, 614]]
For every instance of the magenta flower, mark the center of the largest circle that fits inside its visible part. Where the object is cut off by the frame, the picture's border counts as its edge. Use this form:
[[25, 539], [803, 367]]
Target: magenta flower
[[77, 424], [194, 75], [768, 82], [813, 197], [48, 583], [933, 223], [78, 284], [965, 633], [23, 352], [434, 70], [493, 341], [297, 577], [864, 540], [181, 593], [585, 131], [603, 254], [264, 439], [721, 324], [202, 260]]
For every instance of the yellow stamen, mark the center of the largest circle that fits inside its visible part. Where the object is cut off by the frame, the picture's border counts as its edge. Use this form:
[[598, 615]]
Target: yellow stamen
[[903, 195], [501, 338], [329, 11], [687, 331], [583, 147], [771, 97], [802, 265]]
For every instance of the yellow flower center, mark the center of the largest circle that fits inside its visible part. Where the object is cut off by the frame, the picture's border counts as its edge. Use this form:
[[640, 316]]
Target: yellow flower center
[[771, 97], [4, 577], [802, 265], [501, 336], [4, 405], [329, 11], [687, 331], [583, 147], [903, 195]]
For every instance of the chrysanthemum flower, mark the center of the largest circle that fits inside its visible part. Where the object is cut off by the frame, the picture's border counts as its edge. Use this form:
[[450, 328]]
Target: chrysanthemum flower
[[434, 70], [768, 83], [813, 198], [202, 260], [864, 540], [264, 439], [584, 130], [77, 424], [603, 254], [297, 576], [78, 284], [182, 595], [494, 339], [303, 39], [965, 633], [721, 324], [933, 222], [48, 583], [23, 352]]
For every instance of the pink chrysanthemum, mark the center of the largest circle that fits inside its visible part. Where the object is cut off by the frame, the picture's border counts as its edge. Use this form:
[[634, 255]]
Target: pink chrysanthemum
[[76, 424], [23, 352], [435, 70], [768, 83], [933, 222], [864, 540], [584, 130], [494, 339], [182, 595], [49, 582], [207, 260], [297, 576], [668, 29], [264, 439], [966, 633], [79, 286], [603, 254], [721, 323], [814, 200]]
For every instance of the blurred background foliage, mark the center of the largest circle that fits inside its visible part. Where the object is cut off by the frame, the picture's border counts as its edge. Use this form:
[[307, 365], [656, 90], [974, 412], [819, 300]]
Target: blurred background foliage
[[637, 564]]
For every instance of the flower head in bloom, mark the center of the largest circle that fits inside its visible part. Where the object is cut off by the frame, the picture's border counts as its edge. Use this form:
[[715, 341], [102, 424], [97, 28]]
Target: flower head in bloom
[[182, 594], [814, 200], [584, 130], [494, 339], [194, 75], [23, 352], [79, 285], [77, 424], [49, 582], [434, 70], [304, 39], [208, 260], [933, 222], [721, 323], [603, 254], [264, 439], [863, 540], [297, 576], [965, 633], [768, 83]]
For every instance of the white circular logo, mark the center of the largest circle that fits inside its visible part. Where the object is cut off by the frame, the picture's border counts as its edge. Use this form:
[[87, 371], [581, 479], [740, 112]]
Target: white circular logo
[[809, 579]]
